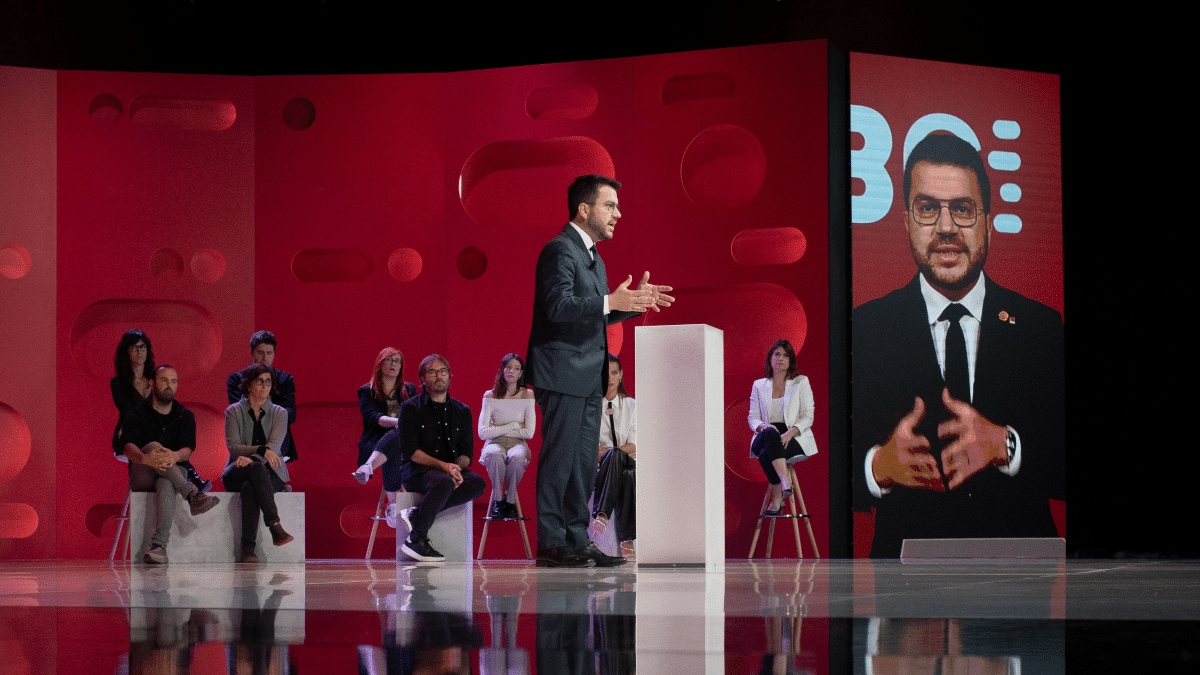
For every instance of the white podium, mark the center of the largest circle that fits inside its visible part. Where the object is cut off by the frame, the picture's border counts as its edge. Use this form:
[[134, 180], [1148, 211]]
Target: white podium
[[681, 446]]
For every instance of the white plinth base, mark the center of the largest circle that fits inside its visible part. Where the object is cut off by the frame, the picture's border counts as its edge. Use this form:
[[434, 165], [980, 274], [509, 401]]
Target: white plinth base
[[215, 536], [681, 442], [452, 533]]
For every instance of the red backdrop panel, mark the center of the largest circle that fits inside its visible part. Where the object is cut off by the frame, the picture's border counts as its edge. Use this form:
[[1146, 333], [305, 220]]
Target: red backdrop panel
[[448, 185], [156, 179], [28, 457]]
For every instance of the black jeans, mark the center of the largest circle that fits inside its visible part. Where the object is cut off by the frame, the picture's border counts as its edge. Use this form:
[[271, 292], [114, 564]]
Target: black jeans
[[768, 446], [438, 494], [258, 484]]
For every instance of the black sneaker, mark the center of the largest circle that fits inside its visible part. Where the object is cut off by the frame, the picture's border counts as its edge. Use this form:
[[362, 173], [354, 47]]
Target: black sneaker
[[421, 550]]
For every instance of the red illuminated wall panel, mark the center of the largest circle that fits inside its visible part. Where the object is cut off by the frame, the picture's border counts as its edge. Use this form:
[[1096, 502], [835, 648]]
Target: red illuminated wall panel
[[28, 223], [156, 176], [408, 211]]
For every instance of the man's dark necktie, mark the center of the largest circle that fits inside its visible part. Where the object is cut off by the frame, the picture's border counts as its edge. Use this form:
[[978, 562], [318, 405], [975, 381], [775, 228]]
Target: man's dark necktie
[[612, 426], [958, 377]]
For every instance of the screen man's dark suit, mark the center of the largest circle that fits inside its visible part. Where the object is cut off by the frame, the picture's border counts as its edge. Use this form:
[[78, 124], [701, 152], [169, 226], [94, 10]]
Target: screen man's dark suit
[[567, 365], [1019, 382]]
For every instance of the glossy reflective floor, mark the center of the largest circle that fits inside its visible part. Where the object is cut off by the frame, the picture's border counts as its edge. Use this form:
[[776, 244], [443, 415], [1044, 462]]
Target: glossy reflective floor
[[498, 617]]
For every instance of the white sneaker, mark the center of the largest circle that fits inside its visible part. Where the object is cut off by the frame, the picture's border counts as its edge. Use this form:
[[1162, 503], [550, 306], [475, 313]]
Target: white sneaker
[[406, 515], [363, 474], [395, 516]]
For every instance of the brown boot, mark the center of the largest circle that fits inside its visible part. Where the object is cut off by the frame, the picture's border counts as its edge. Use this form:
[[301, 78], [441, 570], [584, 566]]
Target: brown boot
[[201, 502], [248, 555], [278, 535]]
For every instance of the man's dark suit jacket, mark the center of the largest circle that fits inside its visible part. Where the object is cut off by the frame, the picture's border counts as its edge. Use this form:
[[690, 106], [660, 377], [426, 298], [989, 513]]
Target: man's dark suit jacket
[[283, 394], [1019, 382], [568, 341]]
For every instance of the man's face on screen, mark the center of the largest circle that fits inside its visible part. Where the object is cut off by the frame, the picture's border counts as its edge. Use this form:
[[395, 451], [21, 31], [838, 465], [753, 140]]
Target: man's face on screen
[[949, 256]]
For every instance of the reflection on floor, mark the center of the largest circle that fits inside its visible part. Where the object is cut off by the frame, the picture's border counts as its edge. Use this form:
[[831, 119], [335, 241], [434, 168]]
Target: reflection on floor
[[1005, 617]]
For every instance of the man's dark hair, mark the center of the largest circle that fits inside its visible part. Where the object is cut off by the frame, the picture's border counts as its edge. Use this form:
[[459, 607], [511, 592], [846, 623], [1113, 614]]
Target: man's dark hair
[[163, 367], [939, 148], [252, 373], [425, 363], [585, 190], [261, 337]]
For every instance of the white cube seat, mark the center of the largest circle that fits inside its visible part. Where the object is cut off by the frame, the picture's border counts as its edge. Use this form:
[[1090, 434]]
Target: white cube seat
[[215, 536]]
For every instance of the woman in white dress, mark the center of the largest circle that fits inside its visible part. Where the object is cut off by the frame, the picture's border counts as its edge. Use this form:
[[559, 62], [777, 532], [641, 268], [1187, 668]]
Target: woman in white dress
[[506, 423], [781, 417]]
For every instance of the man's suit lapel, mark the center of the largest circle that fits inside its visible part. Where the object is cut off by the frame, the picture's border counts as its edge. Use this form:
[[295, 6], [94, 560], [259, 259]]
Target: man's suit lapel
[[994, 336], [599, 279]]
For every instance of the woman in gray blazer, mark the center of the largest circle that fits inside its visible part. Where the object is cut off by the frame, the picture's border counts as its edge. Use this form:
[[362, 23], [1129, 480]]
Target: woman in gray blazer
[[254, 431]]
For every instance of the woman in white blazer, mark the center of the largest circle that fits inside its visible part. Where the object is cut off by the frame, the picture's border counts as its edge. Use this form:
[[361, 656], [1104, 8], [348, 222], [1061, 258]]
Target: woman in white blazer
[[781, 417]]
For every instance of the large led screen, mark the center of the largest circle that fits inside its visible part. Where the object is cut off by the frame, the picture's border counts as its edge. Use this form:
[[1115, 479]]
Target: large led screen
[[957, 328]]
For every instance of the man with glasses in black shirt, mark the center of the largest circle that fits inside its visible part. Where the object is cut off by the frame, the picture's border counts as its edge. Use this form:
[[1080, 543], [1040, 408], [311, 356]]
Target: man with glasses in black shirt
[[434, 440]]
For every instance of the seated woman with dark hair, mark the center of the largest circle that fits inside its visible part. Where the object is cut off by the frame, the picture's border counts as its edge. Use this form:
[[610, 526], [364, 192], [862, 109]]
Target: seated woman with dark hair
[[781, 417], [254, 431], [379, 401], [506, 423], [613, 495], [130, 387]]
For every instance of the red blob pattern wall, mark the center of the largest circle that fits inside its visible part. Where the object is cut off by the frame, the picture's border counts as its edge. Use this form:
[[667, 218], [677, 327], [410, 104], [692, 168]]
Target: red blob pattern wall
[[351, 213], [28, 222]]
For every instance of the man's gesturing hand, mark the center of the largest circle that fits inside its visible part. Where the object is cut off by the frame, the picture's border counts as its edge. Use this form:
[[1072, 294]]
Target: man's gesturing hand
[[905, 459], [977, 444], [625, 300], [661, 299]]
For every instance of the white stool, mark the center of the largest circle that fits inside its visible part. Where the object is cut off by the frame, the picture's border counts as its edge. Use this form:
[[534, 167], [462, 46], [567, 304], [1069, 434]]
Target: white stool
[[377, 518], [519, 520], [790, 502], [122, 520]]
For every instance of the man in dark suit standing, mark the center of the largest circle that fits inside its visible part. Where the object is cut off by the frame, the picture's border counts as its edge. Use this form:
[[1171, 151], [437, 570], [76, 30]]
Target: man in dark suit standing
[[566, 363], [958, 383]]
